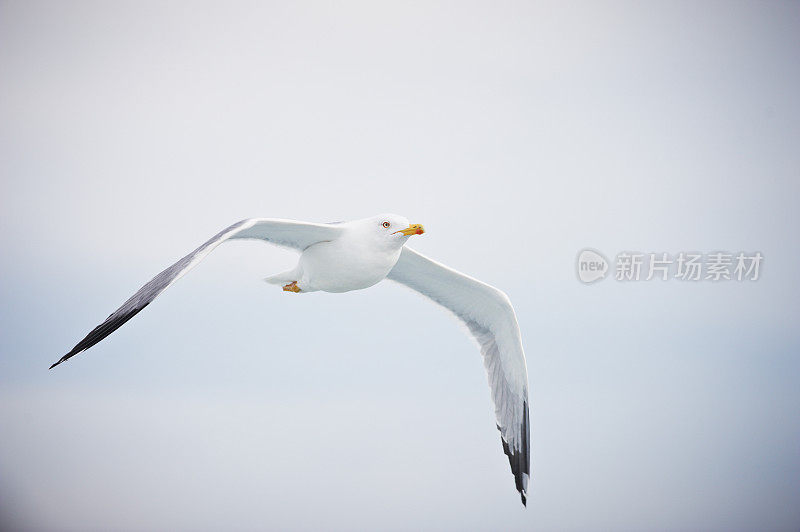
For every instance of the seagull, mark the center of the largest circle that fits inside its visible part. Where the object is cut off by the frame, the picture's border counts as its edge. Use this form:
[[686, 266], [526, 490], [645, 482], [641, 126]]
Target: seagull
[[344, 256]]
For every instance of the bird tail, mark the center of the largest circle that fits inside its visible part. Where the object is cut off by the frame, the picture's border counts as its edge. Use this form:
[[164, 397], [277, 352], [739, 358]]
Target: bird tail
[[283, 277]]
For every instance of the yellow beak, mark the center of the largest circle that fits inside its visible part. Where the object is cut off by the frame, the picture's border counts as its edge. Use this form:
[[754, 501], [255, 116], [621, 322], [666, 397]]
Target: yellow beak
[[413, 229]]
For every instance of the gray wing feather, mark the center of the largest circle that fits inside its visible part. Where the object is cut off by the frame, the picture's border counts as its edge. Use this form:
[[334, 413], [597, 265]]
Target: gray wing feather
[[297, 235], [489, 316]]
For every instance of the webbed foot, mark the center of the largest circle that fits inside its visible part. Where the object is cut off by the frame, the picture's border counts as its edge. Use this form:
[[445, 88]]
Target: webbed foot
[[291, 287]]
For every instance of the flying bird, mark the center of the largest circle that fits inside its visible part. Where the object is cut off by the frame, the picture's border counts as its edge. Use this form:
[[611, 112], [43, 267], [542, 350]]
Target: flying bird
[[344, 256]]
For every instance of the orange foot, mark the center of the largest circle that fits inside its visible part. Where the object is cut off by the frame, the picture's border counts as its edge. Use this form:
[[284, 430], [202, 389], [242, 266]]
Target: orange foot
[[291, 287]]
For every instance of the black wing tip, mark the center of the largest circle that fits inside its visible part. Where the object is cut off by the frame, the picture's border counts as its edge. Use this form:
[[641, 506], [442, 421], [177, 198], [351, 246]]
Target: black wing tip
[[112, 323], [519, 460], [515, 459], [65, 358]]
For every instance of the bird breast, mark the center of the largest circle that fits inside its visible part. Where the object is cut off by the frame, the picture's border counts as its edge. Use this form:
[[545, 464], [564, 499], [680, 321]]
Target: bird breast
[[338, 266]]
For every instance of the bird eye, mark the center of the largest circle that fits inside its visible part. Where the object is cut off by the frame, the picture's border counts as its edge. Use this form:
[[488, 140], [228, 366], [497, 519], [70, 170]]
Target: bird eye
[[386, 224]]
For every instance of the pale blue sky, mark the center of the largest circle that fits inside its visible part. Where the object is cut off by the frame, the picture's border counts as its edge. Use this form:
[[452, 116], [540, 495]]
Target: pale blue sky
[[518, 133]]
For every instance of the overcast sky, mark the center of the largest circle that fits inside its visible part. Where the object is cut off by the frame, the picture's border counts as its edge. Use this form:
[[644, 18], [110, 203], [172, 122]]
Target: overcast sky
[[519, 134]]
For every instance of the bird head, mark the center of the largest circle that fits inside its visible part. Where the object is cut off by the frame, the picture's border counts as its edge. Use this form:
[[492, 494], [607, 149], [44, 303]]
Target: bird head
[[391, 230]]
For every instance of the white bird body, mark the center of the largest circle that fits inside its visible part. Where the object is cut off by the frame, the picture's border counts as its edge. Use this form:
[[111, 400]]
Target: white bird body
[[345, 256], [357, 259], [339, 267]]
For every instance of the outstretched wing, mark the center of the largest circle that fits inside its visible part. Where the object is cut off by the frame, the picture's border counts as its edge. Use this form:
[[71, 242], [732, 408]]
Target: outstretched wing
[[289, 233], [488, 314]]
